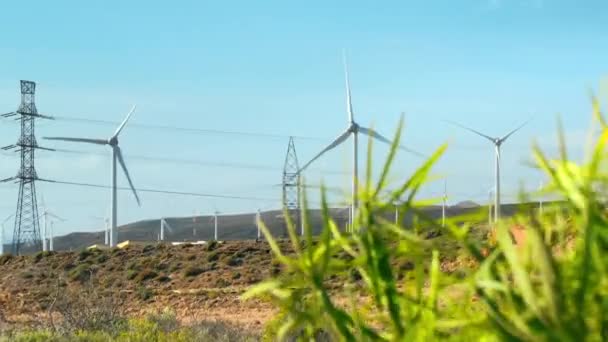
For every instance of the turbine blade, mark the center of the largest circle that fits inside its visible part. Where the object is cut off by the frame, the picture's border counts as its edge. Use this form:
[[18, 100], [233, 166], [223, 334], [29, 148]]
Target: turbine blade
[[378, 136], [124, 122], [6, 219], [471, 130], [84, 140], [168, 226], [513, 131], [121, 161], [349, 104], [55, 216], [335, 143]]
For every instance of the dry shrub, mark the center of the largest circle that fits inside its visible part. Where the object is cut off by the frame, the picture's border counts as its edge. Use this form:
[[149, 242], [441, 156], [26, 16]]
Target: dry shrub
[[86, 308]]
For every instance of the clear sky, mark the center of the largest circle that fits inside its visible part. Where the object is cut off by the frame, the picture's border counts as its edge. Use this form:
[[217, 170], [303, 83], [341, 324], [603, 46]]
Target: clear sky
[[275, 67]]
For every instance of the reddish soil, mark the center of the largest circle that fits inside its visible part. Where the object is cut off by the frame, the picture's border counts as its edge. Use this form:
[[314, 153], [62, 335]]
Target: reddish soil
[[195, 281]]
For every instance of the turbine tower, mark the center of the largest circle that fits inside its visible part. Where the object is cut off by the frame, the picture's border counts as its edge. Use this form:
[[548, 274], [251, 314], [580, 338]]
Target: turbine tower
[[353, 129], [497, 142], [215, 225], [164, 224], [51, 231], [27, 224], [47, 235], [116, 157], [444, 202], [541, 186], [2, 234], [258, 222]]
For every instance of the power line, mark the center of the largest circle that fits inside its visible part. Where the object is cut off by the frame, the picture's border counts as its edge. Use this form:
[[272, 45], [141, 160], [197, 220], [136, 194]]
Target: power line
[[167, 192], [193, 162], [185, 129]]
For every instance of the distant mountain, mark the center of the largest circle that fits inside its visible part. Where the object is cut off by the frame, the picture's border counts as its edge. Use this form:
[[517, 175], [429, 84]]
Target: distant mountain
[[466, 204], [239, 226]]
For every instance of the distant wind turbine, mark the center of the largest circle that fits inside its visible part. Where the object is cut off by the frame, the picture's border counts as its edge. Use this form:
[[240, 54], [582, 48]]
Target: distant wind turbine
[[540, 199], [444, 203], [497, 142], [490, 195], [106, 228], [353, 129], [2, 234], [46, 235], [52, 232], [164, 224], [116, 156], [258, 222], [215, 213]]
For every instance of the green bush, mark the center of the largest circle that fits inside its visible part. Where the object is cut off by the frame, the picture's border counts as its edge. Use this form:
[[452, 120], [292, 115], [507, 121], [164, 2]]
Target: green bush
[[80, 273], [213, 256], [193, 271], [85, 254], [161, 328], [552, 287], [146, 275], [211, 245]]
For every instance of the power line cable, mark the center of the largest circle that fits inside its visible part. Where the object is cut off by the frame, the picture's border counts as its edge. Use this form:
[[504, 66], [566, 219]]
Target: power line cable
[[186, 129], [194, 162], [167, 192]]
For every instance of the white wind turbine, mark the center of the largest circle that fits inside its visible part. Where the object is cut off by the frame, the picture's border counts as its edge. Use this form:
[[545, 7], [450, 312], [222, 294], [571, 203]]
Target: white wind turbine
[[106, 228], [490, 195], [2, 233], [215, 213], [46, 233], [444, 202], [164, 224], [116, 156], [541, 186], [258, 223], [497, 142], [52, 232], [353, 129]]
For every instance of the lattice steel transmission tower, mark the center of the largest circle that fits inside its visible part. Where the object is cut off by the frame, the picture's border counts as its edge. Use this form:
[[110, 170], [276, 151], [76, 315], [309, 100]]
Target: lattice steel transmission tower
[[291, 182], [27, 225]]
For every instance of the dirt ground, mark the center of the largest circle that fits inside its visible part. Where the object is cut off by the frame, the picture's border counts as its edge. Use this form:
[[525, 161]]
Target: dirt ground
[[197, 282]]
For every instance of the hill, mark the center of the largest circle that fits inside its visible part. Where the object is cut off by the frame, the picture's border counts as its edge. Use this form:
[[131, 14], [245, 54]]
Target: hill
[[237, 227]]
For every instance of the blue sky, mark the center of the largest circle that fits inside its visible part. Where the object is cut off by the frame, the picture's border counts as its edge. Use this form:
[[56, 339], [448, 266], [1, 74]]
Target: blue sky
[[275, 67]]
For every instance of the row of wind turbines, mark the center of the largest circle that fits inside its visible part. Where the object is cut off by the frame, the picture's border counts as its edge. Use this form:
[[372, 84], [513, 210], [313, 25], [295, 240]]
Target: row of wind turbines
[[353, 129]]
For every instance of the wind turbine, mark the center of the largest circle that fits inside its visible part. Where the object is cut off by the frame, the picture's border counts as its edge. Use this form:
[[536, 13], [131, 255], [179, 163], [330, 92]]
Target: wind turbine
[[2, 234], [45, 231], [163, 224], [497, 142], [215, 225], [116, 156], [444, 202], [353, 129], [540, 199], [490, 195], [258, 222], [106, 228], [396, 212], [52, 232]]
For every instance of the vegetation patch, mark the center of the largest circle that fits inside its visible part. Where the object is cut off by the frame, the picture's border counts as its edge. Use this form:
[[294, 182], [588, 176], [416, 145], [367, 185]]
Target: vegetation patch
[[193, 271], [146, 274], [80, 273]]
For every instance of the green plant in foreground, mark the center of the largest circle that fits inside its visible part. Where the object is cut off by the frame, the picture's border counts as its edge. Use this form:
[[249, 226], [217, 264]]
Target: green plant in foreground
[[552, 287]]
